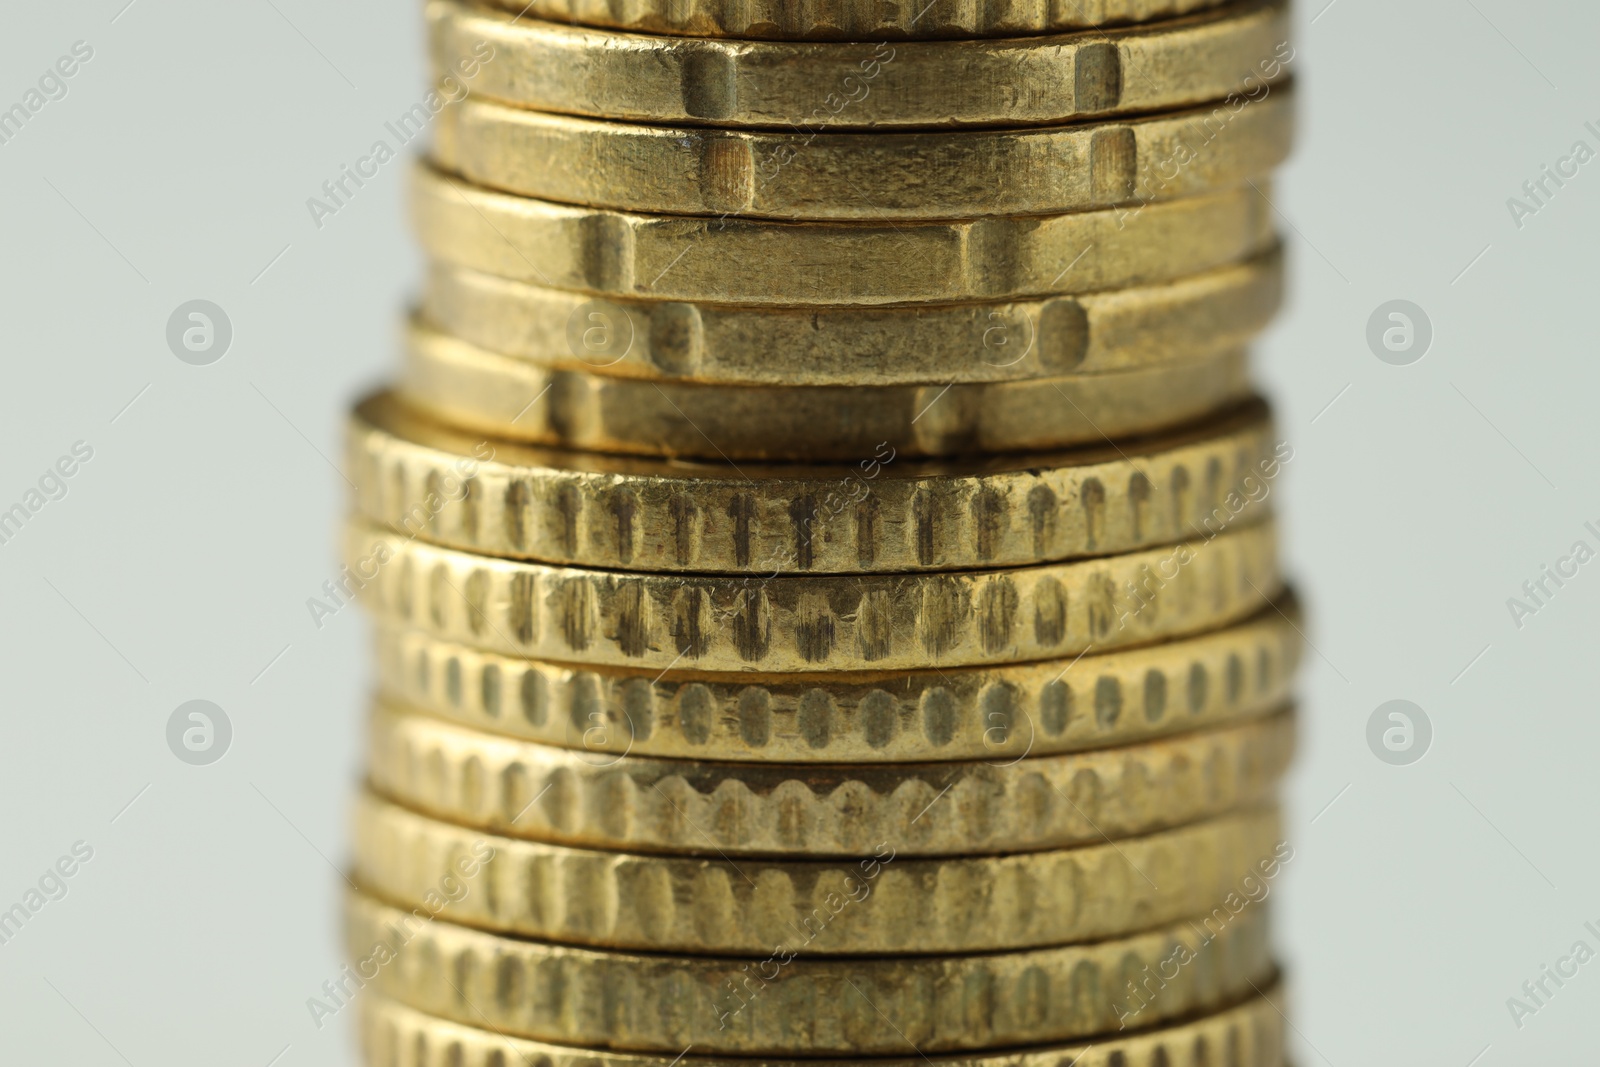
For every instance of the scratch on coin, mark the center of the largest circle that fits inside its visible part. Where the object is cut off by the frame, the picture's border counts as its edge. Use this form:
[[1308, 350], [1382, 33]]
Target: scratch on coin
[[532, 402], [532, 802], [1087, 249], [1074, 663], [930, 403], [931, 803]]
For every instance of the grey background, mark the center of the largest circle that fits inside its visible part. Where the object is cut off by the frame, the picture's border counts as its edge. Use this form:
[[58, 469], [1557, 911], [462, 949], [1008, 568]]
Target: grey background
[[178, 565]]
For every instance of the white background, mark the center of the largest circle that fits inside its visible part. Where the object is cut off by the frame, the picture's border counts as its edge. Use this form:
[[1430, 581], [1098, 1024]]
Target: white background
[[179, 563]]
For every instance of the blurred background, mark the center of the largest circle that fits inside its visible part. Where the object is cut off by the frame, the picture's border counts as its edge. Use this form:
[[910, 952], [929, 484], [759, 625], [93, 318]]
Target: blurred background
[[174, 562]]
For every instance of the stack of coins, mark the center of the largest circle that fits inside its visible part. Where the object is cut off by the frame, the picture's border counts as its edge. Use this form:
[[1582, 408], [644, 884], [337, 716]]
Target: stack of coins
[[820, 542]]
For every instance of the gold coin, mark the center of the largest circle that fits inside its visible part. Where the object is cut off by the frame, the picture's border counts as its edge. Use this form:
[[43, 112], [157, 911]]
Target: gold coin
[[853, 19], [1248, 1034], [626, 513], [780, 1005], [800, 623], [595, 800], [857, 264], [998, 713], [882, 903], [1018, 81], [877, 176], [1123, 329], [511, 399]]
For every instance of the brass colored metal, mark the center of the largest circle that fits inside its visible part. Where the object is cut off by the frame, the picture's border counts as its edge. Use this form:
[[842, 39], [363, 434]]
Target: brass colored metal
[[506, 398], [884, 903], [881, 515], [822, 542], [853, 19], [697, 807], [803, 623], [1117, 330], [997, 714], [1011, 81], [1252, 1033], [851, 176], [771, 1006], [765, 262]]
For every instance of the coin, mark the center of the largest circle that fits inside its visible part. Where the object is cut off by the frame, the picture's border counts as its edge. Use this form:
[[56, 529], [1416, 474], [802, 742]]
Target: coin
[[821, 542], [855, 264], [780, 1005], [509, 398], [1122, 329], [798, 623], [1249, 1034], [853, 19], [882, 514], [999, 713], [1014, 81], [849, 176], [881, 903], [699, 807]]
